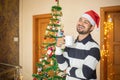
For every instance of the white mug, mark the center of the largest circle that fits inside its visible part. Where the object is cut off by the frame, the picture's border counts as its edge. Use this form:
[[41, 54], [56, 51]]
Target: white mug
[[69, 40]]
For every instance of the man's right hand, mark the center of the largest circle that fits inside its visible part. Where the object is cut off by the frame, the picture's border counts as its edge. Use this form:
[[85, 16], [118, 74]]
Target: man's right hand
[[60, 42]]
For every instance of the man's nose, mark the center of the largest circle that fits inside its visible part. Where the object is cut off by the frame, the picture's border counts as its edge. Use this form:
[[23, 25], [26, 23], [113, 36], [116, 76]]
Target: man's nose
[[80, 23]]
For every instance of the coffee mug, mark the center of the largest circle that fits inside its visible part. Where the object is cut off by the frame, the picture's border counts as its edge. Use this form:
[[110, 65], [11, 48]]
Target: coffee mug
[[69, 40]]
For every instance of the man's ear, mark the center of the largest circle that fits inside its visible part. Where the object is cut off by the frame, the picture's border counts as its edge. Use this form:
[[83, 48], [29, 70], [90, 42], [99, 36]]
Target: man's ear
[[92, 28]]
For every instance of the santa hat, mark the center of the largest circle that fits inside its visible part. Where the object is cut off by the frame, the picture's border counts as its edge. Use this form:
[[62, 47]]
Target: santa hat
[[92, 16]]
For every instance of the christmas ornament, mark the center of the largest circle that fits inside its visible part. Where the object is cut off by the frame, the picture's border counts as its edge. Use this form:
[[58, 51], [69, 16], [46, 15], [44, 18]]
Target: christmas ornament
[[39, 69], [51, 62], [43, 63], [53, 48], [51, 73], [46, 74], [46, 32], [40, 59], [48, 27], [54, 17], [53, 28], [45, 58], [34, 79], [60, 33], [39, 73], [50, 51]]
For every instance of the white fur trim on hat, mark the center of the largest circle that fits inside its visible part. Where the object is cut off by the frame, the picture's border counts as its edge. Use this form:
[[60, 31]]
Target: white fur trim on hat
[[89, 18]]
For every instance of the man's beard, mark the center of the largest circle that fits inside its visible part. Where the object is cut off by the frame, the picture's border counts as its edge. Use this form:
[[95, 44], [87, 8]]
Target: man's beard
[[83, 31]]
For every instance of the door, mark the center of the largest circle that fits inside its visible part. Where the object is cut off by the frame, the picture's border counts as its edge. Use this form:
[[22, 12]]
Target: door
[[40, 23], [110, 64], [116, 45]]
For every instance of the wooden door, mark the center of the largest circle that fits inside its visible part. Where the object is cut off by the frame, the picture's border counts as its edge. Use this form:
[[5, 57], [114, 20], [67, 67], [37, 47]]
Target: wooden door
[[110, 64], [40, 23], [116, 45]]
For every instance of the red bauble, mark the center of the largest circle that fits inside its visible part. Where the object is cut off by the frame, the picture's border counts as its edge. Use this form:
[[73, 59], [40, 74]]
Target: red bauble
[[50, 51], [34, 79]]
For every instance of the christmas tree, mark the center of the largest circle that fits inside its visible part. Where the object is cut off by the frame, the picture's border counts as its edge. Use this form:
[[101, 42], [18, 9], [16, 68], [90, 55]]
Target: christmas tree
[[47, 67]]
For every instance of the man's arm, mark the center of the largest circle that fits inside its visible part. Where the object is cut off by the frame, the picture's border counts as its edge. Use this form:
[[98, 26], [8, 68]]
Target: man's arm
[[88, 68], [62, 62]]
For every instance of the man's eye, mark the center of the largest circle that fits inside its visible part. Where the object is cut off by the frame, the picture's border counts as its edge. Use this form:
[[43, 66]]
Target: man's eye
[[80, 20], [86, 22]]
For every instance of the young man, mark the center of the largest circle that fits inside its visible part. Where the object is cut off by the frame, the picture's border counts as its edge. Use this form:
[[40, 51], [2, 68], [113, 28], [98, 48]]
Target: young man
[[80, 60]]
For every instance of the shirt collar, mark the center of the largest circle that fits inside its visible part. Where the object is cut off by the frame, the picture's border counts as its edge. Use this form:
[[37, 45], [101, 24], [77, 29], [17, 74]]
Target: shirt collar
[[85, 40]]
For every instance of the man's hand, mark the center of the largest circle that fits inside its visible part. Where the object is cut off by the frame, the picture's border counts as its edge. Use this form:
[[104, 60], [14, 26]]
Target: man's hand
[[60, 42]]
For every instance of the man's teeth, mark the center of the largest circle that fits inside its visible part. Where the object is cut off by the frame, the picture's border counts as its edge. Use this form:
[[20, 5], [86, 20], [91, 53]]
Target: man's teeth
[[81, 27]]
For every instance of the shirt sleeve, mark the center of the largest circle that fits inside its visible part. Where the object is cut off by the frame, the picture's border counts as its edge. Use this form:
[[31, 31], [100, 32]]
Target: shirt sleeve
[[62, 61]]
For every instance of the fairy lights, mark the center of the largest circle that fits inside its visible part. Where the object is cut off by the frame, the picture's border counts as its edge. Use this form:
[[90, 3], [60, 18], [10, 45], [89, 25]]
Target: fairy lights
[[105, 51], [108, 26]]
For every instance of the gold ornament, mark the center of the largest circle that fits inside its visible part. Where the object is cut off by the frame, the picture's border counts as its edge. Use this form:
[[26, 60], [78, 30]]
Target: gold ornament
[[51, 62], [51, 73]]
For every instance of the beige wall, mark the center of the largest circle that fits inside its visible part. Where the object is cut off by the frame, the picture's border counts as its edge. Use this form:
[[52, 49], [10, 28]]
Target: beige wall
[[72, 9]]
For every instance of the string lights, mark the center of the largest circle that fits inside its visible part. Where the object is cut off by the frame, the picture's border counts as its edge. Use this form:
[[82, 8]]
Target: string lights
[[106, 48], [108, 26]]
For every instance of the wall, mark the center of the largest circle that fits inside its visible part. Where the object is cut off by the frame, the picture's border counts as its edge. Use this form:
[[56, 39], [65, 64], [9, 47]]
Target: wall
[[9, 31], [72, 9]]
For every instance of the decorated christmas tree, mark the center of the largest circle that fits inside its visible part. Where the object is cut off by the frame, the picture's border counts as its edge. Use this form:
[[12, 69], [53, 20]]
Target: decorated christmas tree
[[47, 67]]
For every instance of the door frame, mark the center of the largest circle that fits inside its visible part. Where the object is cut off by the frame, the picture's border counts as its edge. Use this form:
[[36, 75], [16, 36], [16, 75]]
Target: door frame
[[35, 38], [103, 11]]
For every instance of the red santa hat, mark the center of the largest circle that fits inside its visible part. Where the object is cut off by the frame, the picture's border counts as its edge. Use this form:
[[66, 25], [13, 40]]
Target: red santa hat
[[92, 16]]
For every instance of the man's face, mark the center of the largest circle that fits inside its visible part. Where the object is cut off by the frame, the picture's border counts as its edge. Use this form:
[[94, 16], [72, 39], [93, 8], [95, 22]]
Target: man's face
[[84, 26]]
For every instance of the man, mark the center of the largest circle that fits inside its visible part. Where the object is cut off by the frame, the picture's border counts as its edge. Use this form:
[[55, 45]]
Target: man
[[80, 60]]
